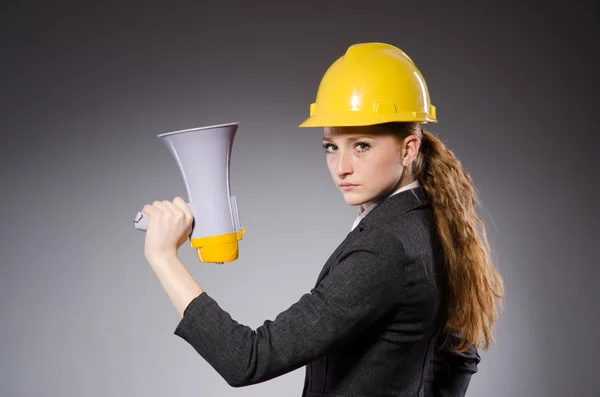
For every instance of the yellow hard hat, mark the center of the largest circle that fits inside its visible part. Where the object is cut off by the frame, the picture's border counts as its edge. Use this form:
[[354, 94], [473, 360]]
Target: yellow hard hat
[[371, 83]]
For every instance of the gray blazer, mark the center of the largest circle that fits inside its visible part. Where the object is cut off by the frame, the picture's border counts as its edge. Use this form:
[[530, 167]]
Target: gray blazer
[[370, 326]]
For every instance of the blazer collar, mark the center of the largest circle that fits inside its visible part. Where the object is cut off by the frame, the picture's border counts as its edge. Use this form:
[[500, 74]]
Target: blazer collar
[[395, 205]]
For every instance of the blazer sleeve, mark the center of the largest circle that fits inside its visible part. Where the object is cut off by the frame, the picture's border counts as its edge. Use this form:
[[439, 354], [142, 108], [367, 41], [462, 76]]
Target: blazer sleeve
[[364, 283], [451, 371]]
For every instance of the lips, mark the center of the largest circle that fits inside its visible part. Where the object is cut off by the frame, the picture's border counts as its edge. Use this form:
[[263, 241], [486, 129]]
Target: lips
[[348, 186]]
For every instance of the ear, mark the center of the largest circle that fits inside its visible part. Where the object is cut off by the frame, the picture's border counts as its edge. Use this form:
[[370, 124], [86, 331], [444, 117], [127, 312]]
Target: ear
[[410, 149]]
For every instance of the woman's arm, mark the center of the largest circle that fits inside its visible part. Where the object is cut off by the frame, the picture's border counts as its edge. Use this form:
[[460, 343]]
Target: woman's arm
[[367, 282], [177, 282]]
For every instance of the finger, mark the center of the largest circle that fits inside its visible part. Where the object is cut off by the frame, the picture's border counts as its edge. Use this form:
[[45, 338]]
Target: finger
[[150, 210], [175, 210], [178, 201], [161, 206]]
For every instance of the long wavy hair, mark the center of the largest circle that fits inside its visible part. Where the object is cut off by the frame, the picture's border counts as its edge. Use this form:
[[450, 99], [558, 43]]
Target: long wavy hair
[[475, 287]]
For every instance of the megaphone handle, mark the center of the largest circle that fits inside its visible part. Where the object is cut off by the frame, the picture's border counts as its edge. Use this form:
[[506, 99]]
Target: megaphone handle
[[141, 221]]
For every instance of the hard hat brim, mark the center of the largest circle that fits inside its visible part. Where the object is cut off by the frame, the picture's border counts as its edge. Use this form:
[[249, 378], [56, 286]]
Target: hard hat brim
[[354, 119]]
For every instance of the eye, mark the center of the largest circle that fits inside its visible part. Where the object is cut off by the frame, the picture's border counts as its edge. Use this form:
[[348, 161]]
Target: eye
[[328, 146], [365, 146]]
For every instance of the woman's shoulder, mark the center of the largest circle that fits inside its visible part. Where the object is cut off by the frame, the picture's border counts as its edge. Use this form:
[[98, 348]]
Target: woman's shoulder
[[414, 230]]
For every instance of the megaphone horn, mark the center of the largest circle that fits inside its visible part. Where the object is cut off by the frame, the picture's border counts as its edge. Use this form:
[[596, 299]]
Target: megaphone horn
[[204, 156]]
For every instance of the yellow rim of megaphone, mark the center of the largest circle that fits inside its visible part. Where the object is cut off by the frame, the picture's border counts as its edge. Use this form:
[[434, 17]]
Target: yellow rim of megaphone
[[218, 249]]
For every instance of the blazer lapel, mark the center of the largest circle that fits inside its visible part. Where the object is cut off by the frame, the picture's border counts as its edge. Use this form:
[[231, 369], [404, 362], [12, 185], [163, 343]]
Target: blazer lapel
[[395, 205], [388, 208]]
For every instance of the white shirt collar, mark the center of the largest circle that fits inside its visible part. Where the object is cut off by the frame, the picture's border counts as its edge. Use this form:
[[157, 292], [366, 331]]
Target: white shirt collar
[[411, 185]]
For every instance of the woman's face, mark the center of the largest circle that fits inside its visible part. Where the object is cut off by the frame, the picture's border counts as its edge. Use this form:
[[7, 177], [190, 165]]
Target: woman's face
[[368, 159]]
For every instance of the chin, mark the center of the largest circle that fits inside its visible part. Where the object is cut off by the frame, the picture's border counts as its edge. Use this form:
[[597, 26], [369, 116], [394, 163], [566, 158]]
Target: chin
[[354, 200]]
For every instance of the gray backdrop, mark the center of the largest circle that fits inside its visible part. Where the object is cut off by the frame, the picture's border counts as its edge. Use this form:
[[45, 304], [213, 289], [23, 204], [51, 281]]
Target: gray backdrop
[[86, 89]]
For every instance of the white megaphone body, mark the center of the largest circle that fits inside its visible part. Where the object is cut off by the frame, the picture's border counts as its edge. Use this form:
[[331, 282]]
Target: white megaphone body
[[204, 156]]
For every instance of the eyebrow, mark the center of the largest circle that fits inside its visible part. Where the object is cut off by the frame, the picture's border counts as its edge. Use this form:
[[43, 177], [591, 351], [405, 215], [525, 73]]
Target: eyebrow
[[352, 139]]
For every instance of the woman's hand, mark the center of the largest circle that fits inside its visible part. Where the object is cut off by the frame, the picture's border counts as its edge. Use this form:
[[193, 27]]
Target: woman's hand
[[169, 226]]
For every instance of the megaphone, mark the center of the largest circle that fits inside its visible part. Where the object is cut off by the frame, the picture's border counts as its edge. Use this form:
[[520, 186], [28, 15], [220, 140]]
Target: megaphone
[[204, 155]]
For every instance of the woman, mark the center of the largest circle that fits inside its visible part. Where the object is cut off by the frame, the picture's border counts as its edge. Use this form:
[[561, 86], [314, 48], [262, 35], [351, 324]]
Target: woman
[[403, 303]]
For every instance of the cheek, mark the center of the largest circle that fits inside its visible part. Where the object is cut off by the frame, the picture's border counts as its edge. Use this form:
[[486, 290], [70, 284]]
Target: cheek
[[385, 168], [330, 163]]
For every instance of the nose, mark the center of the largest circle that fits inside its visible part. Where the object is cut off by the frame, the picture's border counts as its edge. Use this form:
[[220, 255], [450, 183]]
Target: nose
[[344, 163]]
